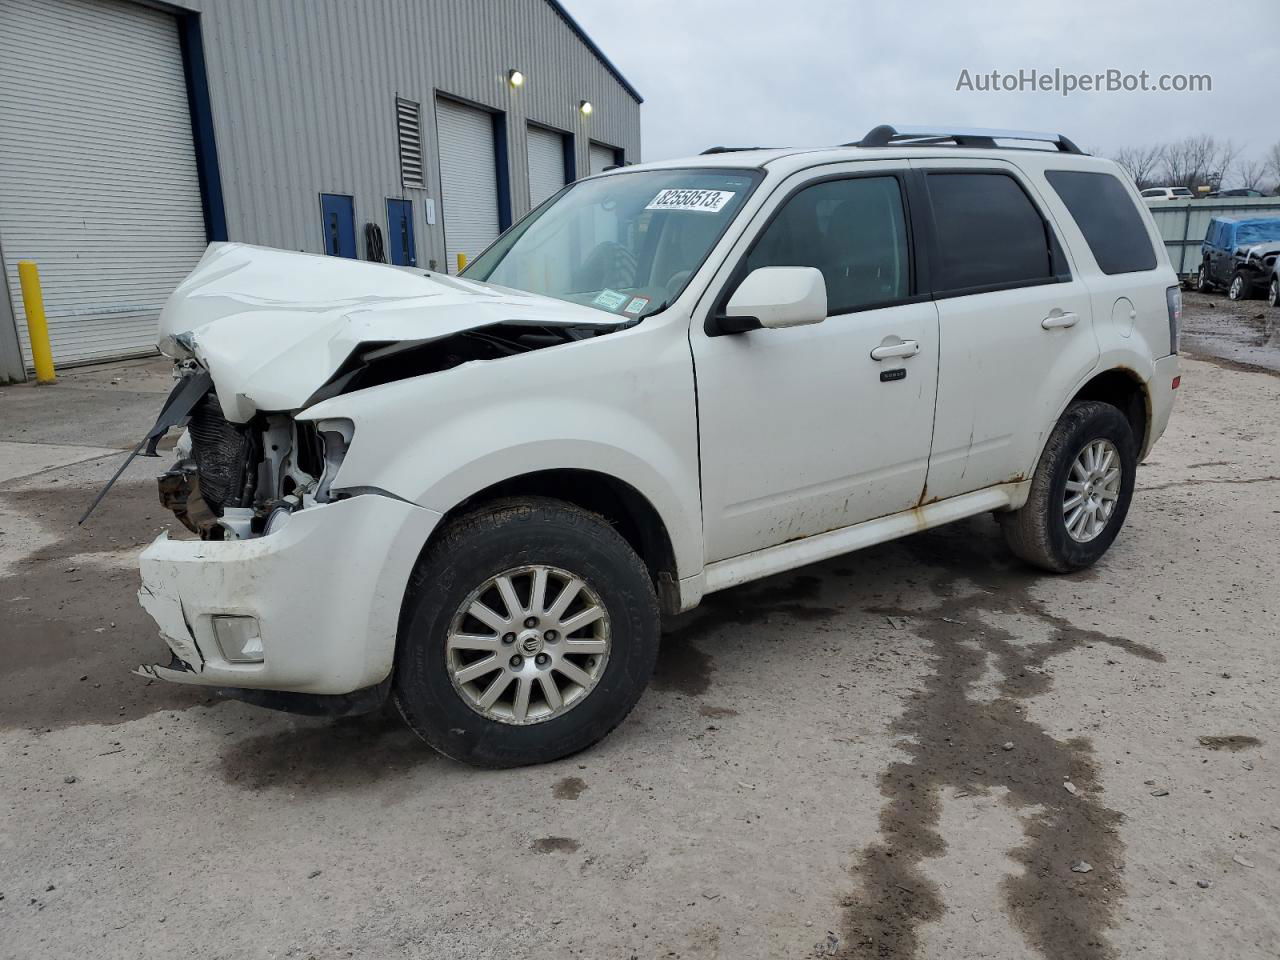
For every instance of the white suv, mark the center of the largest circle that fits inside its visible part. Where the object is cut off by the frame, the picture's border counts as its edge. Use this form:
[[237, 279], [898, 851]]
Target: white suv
[[1168, 193], [477, 494]]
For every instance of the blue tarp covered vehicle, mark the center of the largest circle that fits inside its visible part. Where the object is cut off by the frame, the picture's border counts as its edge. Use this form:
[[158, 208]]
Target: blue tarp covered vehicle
[[1240, 255]]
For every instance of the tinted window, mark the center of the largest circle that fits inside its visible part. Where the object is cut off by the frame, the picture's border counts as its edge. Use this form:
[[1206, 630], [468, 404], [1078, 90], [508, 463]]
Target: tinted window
[[989, 233], [1107, 217], [854, 231]]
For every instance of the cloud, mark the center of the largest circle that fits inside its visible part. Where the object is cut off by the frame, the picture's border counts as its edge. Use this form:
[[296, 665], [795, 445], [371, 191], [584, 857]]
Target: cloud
[[807, 72]]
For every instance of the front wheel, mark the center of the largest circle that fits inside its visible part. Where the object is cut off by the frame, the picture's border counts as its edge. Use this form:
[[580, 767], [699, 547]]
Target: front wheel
[[1273, 292], [1239, 289], [1080, 492], [530, 630]]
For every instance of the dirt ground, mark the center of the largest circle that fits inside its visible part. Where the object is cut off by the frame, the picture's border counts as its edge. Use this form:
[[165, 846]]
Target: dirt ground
[[920, 750], [1245, 333]]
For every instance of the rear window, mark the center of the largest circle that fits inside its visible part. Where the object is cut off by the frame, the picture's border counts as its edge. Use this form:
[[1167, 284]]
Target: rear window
[[1108, 218], [989, 234]]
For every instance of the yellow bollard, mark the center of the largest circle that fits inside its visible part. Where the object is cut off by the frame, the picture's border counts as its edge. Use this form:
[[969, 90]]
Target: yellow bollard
[[462, 262], [37, 325]]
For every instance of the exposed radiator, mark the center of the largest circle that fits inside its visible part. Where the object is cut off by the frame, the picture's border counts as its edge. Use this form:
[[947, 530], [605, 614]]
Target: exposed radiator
[[222, 451]]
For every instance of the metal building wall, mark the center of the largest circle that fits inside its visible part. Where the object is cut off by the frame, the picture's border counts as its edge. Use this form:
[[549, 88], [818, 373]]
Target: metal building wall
[[303, 98]]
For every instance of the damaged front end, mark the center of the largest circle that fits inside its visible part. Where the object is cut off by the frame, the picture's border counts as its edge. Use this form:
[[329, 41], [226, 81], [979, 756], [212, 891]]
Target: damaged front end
[[291, 589], [233, 481]]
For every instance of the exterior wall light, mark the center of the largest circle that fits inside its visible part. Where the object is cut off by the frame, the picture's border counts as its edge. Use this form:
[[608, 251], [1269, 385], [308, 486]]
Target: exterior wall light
[[585, 108], [515, 78]]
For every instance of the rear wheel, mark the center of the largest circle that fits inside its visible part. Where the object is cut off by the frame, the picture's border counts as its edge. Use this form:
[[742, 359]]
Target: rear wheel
[[1202, 279], [1080, 492], [1239, 289], [530, 630]]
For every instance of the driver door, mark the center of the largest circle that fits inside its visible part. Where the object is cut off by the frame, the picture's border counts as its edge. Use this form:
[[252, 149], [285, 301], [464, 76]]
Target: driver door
[[803, 430]]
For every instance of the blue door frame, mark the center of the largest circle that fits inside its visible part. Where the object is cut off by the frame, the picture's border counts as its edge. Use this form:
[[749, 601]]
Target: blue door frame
[[338, 219], [400, 245]]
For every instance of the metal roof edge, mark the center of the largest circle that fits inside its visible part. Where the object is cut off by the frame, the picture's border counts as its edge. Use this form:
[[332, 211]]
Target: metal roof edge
[[581, 34]]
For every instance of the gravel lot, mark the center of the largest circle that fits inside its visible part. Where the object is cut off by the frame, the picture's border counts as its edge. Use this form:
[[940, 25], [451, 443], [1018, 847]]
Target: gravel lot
[[920, 750]]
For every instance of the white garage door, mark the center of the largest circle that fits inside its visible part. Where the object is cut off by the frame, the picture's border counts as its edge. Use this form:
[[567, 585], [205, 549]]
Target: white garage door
[[98, 179], [546, 164], [468, 180], [601, 157]]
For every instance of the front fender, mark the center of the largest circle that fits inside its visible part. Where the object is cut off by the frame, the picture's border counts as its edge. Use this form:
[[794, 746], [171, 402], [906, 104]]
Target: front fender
[[620, 404]]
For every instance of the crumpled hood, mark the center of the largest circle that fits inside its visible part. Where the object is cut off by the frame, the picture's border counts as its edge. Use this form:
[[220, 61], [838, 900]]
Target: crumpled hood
[[272, 326]]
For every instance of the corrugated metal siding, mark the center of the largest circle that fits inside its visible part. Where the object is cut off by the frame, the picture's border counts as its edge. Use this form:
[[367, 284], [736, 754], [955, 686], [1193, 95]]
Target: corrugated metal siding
[[303, 95], [469, 182], [546, 164], [98, 179]]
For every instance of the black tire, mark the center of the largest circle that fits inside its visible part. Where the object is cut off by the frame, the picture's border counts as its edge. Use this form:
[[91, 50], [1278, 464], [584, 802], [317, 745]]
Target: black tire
[[1037, 533], [1273, 292], [505, 535], [1202, 279], [1241, 286]]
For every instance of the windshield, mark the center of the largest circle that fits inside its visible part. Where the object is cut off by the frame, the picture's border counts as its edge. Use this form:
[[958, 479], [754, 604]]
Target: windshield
[[1248, 233], [626, 244]]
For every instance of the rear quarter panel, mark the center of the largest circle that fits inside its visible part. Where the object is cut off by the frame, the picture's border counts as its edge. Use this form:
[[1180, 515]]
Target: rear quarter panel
[[1129, 339]]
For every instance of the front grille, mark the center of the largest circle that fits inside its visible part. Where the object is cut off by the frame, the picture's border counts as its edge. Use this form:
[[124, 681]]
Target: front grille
[[221, 450]]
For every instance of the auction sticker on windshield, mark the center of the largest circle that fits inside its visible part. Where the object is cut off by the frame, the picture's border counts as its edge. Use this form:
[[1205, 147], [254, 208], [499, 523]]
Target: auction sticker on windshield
[[701, 201], [610, 299]]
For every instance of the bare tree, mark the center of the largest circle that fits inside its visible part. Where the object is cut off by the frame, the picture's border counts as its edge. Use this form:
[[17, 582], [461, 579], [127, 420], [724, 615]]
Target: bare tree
[[1141, 163], [1197, 161], [1272, 159], [1250, 174]]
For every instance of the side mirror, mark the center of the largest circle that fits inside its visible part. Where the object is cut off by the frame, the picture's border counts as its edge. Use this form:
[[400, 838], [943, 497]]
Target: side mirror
[[776, 297]]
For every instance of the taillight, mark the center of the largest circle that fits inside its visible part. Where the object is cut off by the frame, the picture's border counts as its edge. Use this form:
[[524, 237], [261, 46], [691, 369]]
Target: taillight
[[1173, 297]]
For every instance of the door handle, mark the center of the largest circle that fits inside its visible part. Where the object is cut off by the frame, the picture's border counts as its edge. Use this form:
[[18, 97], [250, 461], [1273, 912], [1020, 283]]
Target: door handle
[[903, 348], [1055, 320]]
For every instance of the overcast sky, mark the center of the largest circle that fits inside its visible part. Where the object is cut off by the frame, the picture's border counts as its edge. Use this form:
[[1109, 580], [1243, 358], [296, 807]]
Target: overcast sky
[[803, 72]]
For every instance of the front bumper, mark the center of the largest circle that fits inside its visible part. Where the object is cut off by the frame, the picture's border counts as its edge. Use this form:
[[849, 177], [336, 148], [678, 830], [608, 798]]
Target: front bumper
[[326, 589]]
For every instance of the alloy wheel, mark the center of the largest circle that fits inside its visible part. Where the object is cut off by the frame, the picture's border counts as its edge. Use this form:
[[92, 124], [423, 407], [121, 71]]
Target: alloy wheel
[[1093, 490], [528, 645]]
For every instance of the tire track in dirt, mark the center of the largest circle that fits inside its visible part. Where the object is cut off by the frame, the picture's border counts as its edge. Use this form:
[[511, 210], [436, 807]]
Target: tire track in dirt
[[956, 741]]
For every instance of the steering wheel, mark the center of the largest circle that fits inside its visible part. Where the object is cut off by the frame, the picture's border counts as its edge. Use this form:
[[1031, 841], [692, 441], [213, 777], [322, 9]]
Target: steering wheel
[[677, 282]]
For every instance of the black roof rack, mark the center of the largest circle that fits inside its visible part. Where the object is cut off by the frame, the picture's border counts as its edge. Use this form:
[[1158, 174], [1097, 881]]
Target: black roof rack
[[732, 149], [940, 136]]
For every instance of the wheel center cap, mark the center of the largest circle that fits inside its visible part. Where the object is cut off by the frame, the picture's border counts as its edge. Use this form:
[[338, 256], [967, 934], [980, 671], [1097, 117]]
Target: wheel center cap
[[531, 643]]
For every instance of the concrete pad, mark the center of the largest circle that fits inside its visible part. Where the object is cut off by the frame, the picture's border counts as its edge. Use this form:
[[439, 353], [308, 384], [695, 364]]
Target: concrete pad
[[818, 763], [25, 459], [145, 375], [109, 404]]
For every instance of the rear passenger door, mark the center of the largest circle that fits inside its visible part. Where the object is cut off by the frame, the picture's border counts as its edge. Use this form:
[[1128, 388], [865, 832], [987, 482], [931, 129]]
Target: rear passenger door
[[1015, 326]]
